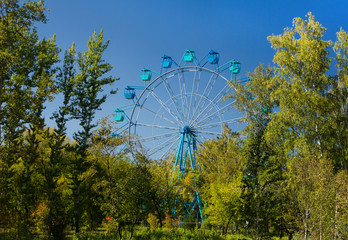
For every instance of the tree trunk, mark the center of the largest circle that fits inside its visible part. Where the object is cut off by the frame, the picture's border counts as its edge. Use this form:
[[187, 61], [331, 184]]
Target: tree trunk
[[132, 230], [281, 227], [306, 221], [130, 235], [226, 227], [119, 231], [257, 218], [290, 236], [336, 212], [77, 210], [320, 227], [158, 211]]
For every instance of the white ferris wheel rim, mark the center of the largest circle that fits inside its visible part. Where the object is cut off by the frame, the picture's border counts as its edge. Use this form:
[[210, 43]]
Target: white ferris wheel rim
[[166, 77]]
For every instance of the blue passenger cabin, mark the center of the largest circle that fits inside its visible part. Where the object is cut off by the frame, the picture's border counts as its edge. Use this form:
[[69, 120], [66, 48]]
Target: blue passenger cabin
[[235, 67], [146, 74], [213, 57], [129, 93], [189, 55], [264, 109], [119, 115], [166, 61]]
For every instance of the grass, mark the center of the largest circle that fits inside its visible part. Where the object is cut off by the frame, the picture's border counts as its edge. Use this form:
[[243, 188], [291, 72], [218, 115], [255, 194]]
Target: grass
[[143, 233]]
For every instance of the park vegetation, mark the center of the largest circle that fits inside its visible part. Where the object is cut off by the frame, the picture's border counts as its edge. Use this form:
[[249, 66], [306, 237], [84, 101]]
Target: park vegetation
[[285, 176]]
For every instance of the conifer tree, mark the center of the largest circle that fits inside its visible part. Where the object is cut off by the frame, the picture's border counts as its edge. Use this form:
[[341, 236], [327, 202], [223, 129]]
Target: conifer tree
[[86, 101]]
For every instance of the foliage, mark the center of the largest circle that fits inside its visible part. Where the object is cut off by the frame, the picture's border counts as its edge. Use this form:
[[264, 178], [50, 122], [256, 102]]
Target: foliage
[[85, 101], [26, 83], [222, 173], [302, 131], [262, 172], [286, 175], [152, 221]]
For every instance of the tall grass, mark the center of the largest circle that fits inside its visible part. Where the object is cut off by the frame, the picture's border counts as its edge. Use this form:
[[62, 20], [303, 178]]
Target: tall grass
[[144, 233]]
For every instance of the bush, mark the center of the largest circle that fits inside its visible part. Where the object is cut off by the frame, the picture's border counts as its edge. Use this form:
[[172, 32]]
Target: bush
[[153, 221]]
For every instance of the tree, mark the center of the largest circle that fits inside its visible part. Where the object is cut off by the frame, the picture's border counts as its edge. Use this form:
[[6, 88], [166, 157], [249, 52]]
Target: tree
[[26, 83], [164, 192], [222, 172], [122, 186], [338, 128], [86, 101], [309, 130], [263, 169], [112, 166], [301, 85], [54, 166]]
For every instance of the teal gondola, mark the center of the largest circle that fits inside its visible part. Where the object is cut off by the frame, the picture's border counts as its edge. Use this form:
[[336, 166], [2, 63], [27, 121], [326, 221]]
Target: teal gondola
[[119, 115], [189, 55], [166, 61], [235, 67], [213, 57], [129, 93], [146, 74]]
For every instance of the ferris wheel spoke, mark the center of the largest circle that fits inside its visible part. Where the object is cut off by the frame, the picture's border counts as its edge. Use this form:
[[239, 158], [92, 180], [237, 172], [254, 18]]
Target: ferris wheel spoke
[[208, 88], [201, 139], [169, 149], [207, 126], [221, 95], [212, 85], [193, 91], [216, 114], [160, 136], [173, 97], [161, 146], [186, 98], [210, 133], [182, 87], [166, 107], [159, 115], [156, 126], [196, 106], [196, 95]]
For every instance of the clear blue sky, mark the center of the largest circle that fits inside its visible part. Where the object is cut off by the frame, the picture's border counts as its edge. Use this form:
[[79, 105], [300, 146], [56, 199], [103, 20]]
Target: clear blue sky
[[140, 31]]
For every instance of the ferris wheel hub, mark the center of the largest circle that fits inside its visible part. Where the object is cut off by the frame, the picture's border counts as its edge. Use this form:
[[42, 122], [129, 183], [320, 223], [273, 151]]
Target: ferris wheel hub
[[187, 130]]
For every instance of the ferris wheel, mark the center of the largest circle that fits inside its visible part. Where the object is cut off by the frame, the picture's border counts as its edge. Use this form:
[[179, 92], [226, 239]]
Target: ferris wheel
[[185, 103], [179, 108]]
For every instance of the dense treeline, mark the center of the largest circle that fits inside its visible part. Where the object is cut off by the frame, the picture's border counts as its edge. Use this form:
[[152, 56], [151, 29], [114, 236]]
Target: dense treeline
[[285, 176], [289, 173]]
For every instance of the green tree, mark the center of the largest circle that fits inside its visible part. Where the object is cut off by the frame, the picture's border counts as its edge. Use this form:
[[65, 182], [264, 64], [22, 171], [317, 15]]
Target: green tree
[[86, 101], [26, 83], [128, 190], [263, 169], [53, 166], [340, 207], [309, 130], [222, 172], [338, 128], [301, 86], [112, 165], [164, 192]]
